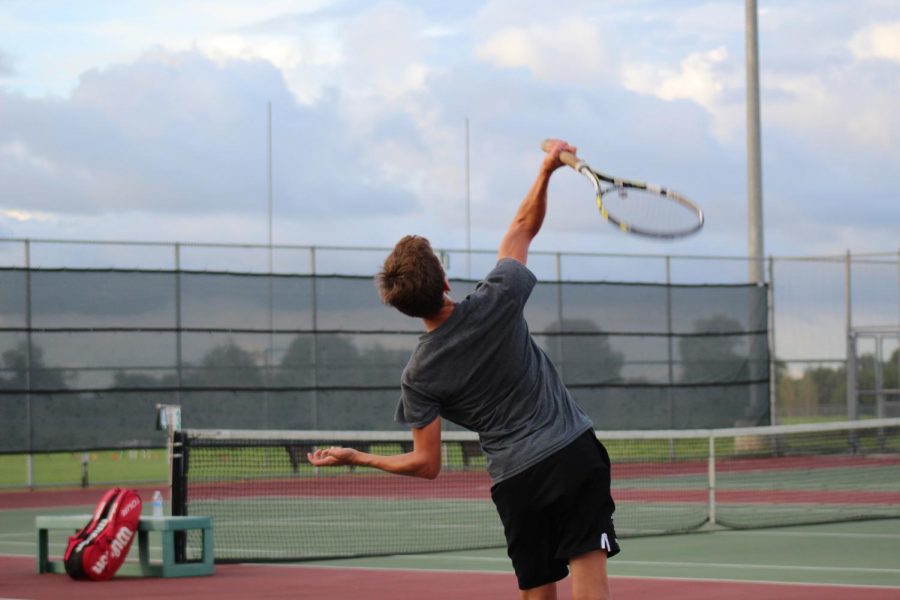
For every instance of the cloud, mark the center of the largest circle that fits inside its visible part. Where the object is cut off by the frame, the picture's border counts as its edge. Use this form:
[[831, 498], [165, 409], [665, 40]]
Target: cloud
[[385, 51], [16, 151], [880, 41], [180, 133], [6, 65], [567, 51], [696, 80], [304, 59], [842, 114], [23, 216]]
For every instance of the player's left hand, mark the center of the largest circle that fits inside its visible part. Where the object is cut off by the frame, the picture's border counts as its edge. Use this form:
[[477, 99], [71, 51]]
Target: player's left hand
[[332, 457]]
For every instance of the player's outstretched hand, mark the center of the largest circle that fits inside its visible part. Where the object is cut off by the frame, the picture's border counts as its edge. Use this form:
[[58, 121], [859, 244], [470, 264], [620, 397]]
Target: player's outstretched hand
[[332, 457]]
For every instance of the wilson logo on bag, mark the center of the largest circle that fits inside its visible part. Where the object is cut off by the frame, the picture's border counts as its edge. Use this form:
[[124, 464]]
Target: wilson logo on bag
[[99, 549]]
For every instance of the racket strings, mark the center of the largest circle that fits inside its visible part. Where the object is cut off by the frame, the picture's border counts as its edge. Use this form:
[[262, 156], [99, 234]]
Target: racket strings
[[645, 210]]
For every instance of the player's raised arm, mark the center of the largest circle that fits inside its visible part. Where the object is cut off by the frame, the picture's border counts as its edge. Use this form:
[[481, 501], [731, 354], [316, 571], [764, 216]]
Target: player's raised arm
[[530, 216]]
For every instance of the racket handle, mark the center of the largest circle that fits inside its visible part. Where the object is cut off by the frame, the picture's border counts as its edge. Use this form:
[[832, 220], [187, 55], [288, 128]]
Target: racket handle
[[566, 157]]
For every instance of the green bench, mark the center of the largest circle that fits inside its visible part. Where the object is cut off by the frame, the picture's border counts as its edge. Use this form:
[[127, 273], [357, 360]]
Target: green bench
[[167, 526]]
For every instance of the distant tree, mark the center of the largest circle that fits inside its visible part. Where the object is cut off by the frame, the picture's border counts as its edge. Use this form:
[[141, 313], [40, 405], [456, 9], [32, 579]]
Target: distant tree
[[42, 376], [225, 366], [126, 380], [337, 359], [587, 357], [713, 358], [823, 390], [818, 390]]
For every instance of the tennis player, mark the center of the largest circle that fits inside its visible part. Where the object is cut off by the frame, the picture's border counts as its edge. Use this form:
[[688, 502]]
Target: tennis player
[[478, 366]]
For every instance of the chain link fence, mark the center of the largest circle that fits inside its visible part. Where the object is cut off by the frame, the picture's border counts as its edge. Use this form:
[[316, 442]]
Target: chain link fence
[[821, 313]]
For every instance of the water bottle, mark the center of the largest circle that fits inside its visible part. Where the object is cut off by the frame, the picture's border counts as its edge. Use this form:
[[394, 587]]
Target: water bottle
[[157, 504]]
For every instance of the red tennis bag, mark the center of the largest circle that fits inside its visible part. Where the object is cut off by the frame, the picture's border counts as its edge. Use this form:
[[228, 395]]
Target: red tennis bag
[[99, 549]]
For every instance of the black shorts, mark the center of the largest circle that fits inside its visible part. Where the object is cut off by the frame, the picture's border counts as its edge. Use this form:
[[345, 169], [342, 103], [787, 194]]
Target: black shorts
[[557, 509]]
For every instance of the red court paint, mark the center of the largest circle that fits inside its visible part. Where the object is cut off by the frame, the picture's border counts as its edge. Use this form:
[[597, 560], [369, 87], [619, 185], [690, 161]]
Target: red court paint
[[452, 486]]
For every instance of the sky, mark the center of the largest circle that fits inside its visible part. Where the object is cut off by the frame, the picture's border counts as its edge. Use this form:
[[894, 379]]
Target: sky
[[147, 121]]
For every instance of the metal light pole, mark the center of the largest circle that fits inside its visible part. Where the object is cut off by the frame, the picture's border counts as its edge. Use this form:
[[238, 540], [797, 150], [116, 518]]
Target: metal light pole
[[755, 245], [754, 152]]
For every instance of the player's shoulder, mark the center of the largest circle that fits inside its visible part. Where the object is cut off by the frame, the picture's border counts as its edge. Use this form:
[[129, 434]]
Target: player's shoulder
[[510, 269]]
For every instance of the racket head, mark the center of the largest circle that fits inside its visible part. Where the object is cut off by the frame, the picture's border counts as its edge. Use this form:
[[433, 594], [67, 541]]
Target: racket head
[[643, 209], [636, 207]]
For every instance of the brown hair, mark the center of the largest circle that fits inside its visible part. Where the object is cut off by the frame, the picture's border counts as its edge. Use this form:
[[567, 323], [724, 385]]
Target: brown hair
[[412, 278]]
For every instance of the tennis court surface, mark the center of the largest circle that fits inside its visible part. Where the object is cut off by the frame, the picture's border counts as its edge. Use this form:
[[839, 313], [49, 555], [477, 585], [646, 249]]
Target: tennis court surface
[[857, 559]]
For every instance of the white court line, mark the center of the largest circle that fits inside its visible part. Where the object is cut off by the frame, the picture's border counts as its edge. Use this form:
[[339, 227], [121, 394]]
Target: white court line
[[643, 563], [889, 536], [755, 566], [612, 576], [762, 582], [33, 543]]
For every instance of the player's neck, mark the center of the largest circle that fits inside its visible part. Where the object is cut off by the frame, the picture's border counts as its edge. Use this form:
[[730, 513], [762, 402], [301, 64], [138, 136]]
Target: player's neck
[[432, 323]]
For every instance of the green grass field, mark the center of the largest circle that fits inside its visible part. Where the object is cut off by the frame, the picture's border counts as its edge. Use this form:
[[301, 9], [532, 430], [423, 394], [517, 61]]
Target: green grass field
[[65, 468]]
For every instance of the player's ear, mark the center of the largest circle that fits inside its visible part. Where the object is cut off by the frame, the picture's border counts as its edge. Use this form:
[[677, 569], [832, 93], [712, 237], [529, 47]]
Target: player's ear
[[446, 285]]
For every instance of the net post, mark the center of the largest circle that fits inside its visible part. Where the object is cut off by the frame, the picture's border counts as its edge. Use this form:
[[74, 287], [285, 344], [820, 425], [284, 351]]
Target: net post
[[712, 478], [178, 489], [169, 419]]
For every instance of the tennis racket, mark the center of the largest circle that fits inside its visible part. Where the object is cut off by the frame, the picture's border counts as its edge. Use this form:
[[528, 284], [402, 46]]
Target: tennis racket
[[637, 207]]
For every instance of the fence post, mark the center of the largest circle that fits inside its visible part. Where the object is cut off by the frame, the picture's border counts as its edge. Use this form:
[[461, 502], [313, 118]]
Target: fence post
[[852, 399], [773, 361], [178, 325], [315, 342], [29, 409], [712, 478], [670, 352], [560, 363]]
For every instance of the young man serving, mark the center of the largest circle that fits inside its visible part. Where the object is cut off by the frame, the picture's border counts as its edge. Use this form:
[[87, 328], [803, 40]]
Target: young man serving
[[478, 366]]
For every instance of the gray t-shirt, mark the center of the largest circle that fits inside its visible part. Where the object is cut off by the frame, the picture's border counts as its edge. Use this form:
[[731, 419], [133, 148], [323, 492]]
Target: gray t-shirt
[[482, 370]]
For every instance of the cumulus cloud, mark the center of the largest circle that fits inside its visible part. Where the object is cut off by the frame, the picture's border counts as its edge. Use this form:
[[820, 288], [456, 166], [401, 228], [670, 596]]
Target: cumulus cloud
[[881, 41], [177, 132], [701, 77], [567, 51]]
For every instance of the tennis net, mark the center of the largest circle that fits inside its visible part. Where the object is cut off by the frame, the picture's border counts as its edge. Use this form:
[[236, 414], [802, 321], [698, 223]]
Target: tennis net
[[269, 504]]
